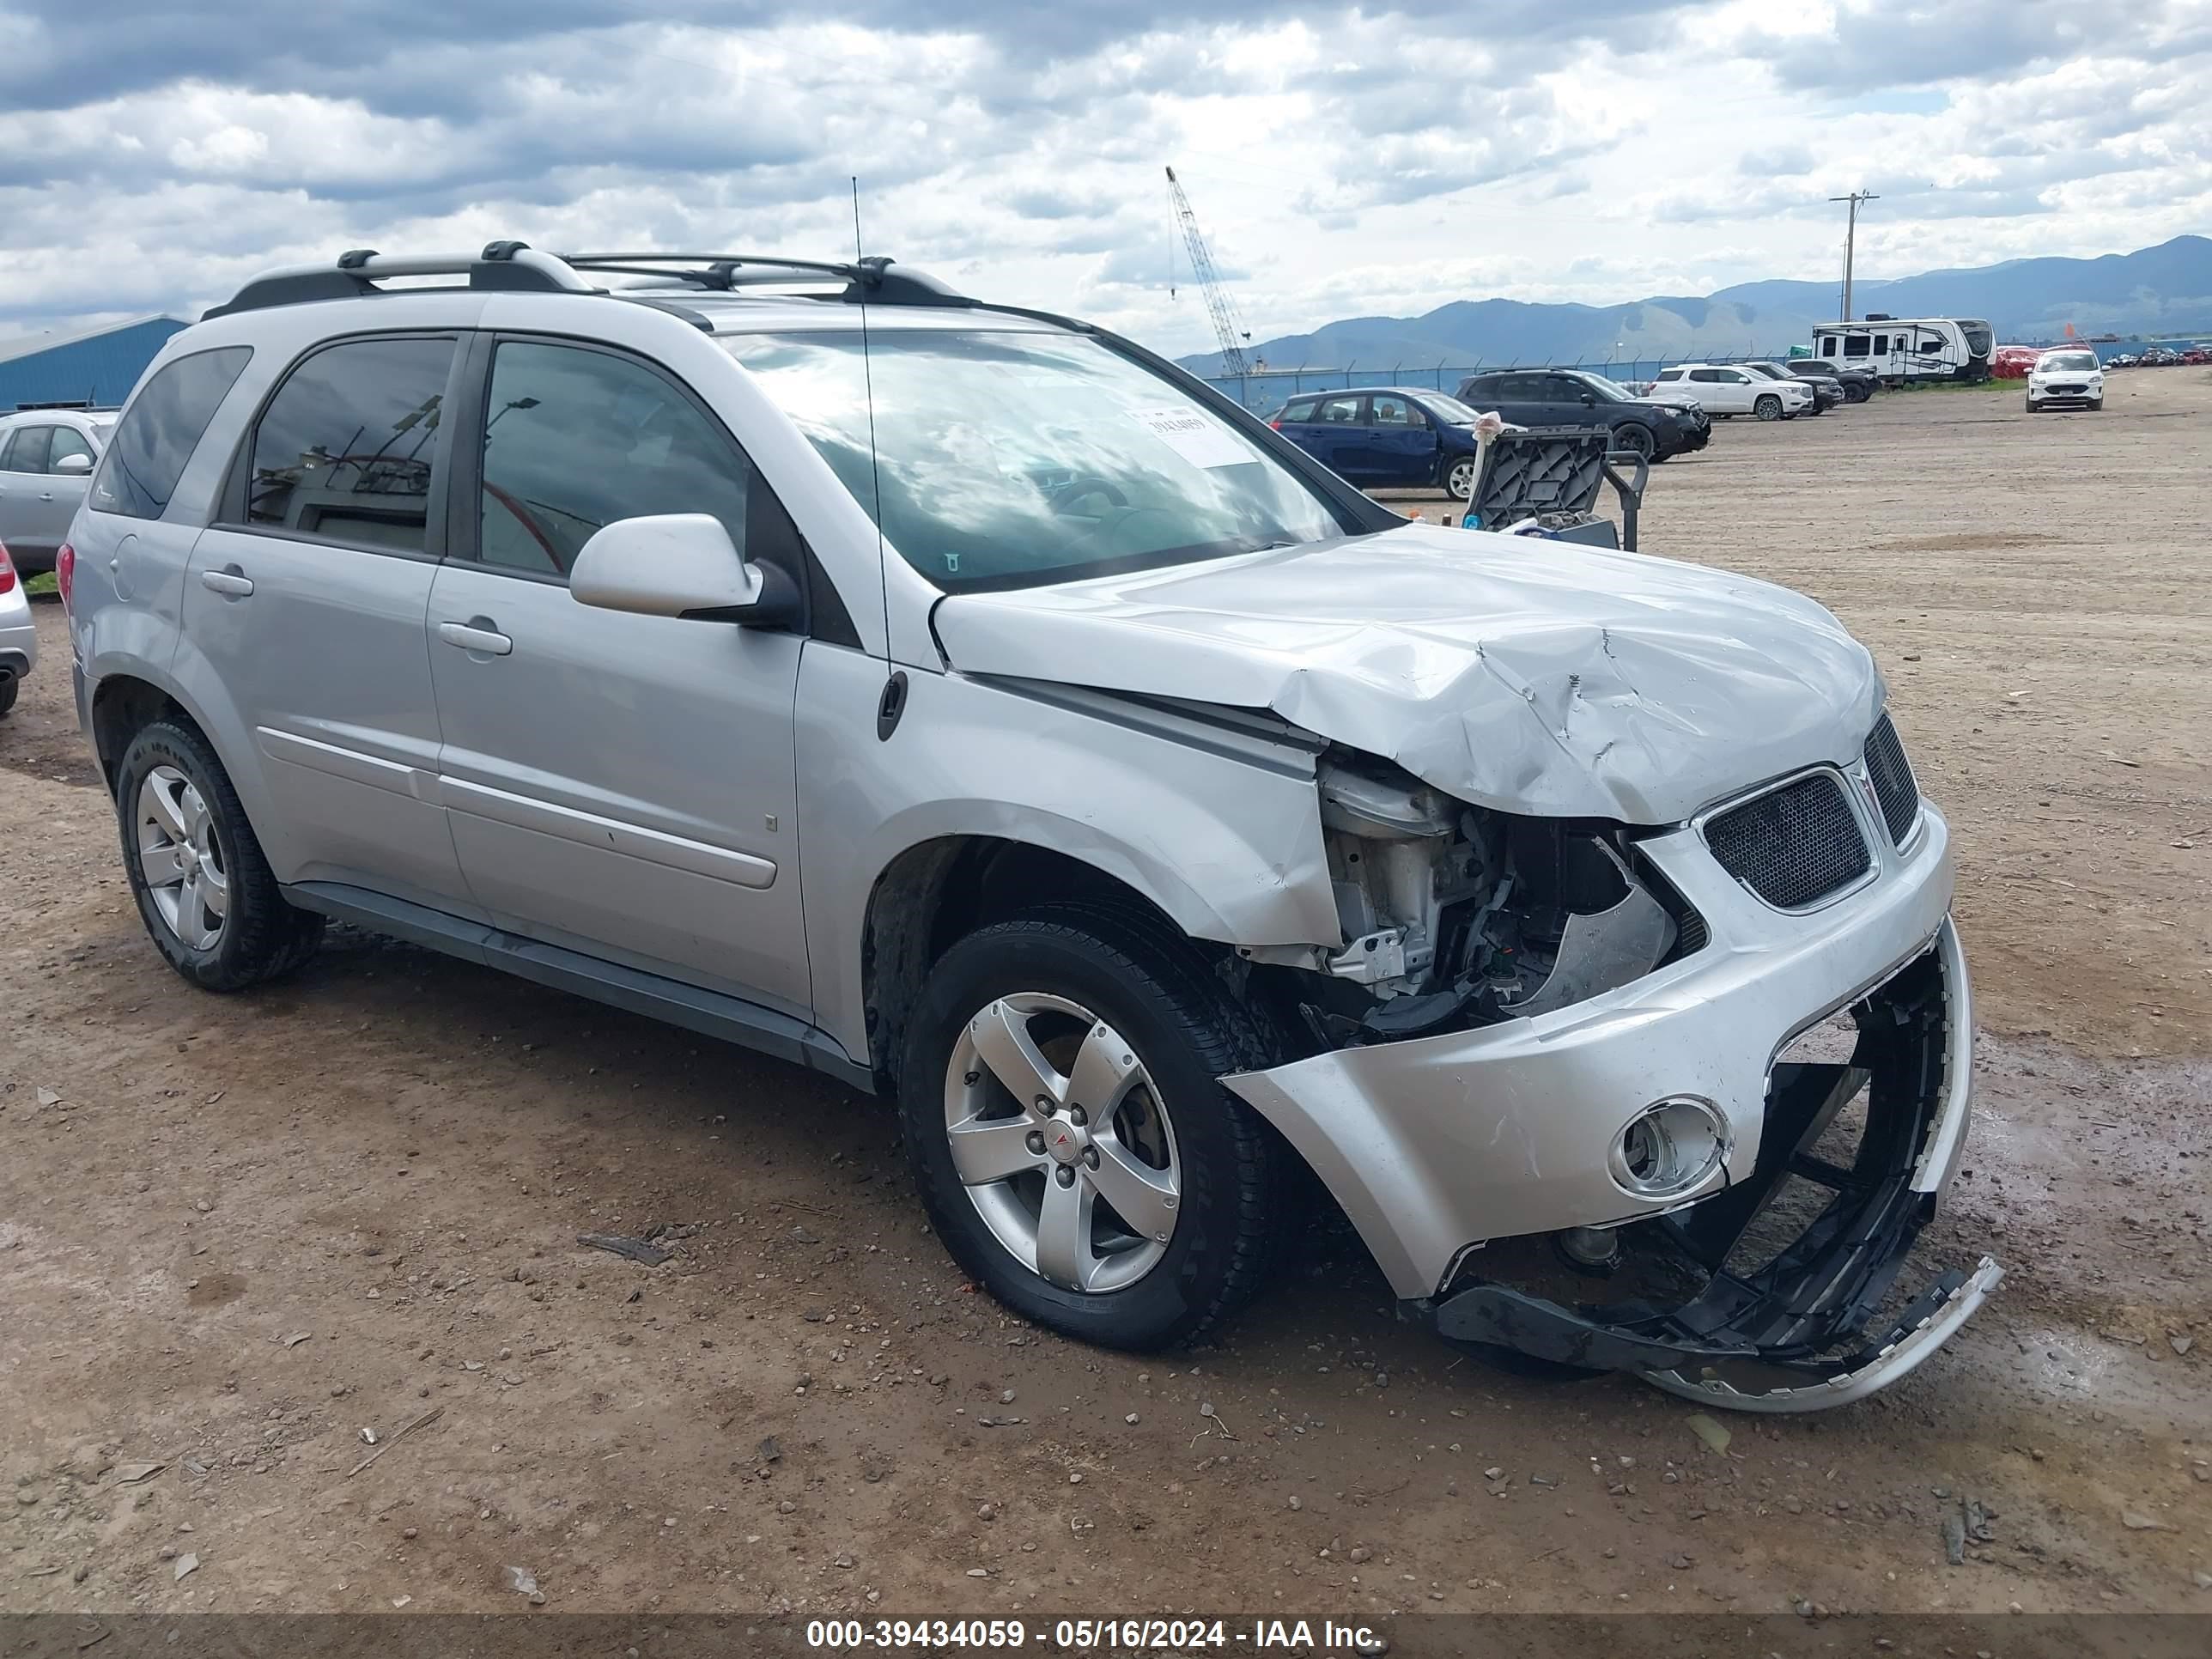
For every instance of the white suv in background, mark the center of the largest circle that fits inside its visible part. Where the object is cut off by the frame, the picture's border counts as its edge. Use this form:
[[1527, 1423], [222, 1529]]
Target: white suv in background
[[1722, 389], [2070, 376]]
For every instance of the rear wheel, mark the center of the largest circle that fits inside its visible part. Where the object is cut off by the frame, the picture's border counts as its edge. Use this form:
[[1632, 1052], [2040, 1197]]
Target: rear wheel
[[8, 686], [203, 888], [1061, 1099], [1768, 407]]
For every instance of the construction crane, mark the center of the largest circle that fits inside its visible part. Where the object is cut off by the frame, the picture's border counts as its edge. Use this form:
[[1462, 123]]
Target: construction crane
[[1233, 339]]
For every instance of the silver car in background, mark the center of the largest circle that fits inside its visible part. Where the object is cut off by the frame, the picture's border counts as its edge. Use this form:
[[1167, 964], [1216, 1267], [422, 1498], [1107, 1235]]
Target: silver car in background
[[1185, 837], [46, 458], [19, 633]]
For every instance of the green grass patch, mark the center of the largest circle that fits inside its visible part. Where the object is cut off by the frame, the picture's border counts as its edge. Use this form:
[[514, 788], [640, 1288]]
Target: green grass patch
[[43, 582]]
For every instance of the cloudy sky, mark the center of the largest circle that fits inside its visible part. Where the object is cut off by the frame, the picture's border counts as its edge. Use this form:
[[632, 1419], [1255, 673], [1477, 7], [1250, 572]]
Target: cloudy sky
[[1342, 160]]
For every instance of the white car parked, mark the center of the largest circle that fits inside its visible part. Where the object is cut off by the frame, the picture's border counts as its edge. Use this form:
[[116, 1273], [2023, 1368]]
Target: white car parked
[[2071, 375], [1726, 390]]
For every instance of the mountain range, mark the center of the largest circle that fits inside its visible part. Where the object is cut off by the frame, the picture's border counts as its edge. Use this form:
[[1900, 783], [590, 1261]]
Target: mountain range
[[2166, 289]]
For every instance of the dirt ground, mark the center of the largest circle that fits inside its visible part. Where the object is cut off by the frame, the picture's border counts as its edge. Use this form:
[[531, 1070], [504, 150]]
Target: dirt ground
[[235, 1233]]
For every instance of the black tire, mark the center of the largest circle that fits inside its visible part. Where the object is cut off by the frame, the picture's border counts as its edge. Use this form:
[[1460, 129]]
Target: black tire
[[1767, 406], [1857, 394], [262, 937], [1152, 988], [1454, 464], [1636, 438], [8, 688]]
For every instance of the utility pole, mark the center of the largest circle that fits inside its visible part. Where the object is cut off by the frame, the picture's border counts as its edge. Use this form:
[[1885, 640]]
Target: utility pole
[[1851, 238]]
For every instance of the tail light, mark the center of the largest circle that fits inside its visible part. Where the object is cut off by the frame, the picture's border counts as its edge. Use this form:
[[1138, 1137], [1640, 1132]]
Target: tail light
[[7, 571], [1278, 425], [65, 571]]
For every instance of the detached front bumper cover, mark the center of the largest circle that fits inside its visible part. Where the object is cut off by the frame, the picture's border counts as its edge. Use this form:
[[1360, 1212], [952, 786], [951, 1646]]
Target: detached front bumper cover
[[1792, 1335]]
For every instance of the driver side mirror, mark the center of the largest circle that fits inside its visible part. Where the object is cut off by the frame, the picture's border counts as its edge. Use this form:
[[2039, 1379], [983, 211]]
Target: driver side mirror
[[680, 564], [1590, 400], [74, 466]]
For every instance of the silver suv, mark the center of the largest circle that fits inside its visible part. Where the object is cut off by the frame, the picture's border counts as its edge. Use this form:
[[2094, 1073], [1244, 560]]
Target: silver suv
[[46, 456], [962, 701]]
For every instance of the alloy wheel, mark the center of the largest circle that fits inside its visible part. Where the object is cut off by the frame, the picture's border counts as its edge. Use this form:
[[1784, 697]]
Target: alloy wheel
[[180, 858], [1062, 1143]]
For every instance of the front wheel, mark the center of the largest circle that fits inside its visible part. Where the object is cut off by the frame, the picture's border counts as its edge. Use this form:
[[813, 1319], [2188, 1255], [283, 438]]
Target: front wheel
[[1060, 1100], [1768, 408], [1459, 478], [1634, 438], [203, 887]]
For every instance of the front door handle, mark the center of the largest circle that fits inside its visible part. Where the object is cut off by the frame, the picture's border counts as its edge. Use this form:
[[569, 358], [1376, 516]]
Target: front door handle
[[478, 634], [231, 582], [47, 496]]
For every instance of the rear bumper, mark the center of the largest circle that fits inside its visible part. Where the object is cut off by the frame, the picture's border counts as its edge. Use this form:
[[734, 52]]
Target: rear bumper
[[19, 647]]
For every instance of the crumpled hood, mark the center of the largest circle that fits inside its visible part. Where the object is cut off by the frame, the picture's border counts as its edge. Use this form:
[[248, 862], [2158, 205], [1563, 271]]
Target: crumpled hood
[[1531, 675]]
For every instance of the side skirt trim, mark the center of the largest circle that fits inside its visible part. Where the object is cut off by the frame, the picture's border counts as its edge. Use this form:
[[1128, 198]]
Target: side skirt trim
[[711, 1013]]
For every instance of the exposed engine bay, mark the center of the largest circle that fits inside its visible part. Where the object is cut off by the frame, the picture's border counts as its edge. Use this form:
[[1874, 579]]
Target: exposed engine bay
[[1457, 915]]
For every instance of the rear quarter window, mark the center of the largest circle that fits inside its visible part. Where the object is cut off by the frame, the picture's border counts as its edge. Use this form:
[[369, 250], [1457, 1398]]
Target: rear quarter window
[[159, 432]]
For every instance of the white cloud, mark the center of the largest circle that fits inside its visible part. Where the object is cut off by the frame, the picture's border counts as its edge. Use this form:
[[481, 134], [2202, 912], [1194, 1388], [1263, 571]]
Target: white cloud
[[1342, 160]]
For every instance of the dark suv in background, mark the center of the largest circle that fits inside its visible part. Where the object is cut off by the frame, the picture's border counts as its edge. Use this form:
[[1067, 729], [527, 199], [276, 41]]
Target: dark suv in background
[[1561, 396]]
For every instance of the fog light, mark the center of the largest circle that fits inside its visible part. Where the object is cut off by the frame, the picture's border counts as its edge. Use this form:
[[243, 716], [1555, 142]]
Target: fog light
[[1669, 1148]]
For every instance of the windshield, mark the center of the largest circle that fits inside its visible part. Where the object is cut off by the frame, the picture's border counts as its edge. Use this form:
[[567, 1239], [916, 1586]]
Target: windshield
[[2068, 361], [1011, 459], [1979, 337], [1611, 391], [1449, 410]]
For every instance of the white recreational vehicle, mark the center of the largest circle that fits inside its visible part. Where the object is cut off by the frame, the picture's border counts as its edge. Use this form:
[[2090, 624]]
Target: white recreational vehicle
[[1902, 348]]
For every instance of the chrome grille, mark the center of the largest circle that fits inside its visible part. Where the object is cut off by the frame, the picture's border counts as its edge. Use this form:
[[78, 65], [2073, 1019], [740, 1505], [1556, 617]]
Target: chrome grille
[[1792, 846], [1893, 784]]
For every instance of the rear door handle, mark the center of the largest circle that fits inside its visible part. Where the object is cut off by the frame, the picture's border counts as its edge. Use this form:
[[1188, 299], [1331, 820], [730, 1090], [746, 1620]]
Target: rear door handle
[[478, 634], [47, 496], [231, 582]]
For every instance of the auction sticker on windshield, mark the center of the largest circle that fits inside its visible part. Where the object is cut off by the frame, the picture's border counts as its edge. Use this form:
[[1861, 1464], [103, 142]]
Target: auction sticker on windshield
[[1198, 439]]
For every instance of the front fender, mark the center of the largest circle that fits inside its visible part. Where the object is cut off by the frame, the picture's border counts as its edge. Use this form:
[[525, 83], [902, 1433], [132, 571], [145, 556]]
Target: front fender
[[1220, 830]]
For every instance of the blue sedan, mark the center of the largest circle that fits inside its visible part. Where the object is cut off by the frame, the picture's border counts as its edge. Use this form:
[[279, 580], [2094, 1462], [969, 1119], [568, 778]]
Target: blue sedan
[[1386, 437]]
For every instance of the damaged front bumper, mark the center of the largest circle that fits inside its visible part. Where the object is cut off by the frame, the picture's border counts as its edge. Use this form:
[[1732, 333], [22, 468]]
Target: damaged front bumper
[[1439, 1148]]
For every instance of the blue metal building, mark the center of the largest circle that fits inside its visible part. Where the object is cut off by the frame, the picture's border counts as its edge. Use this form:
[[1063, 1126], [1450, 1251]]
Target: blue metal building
[[95, 366]]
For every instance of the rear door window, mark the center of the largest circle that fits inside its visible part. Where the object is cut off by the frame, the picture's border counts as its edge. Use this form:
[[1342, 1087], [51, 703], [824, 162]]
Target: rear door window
[[25, 451], [1338, 411], [162, 427], [348, 449]]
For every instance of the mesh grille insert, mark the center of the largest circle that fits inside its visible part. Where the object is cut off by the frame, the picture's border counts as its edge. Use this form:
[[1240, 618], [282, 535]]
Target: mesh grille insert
[[1792, 846], [1893, 784]]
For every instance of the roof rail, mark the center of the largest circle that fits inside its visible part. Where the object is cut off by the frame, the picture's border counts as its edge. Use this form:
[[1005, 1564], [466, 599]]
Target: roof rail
[[510, 266], [870, 281]]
